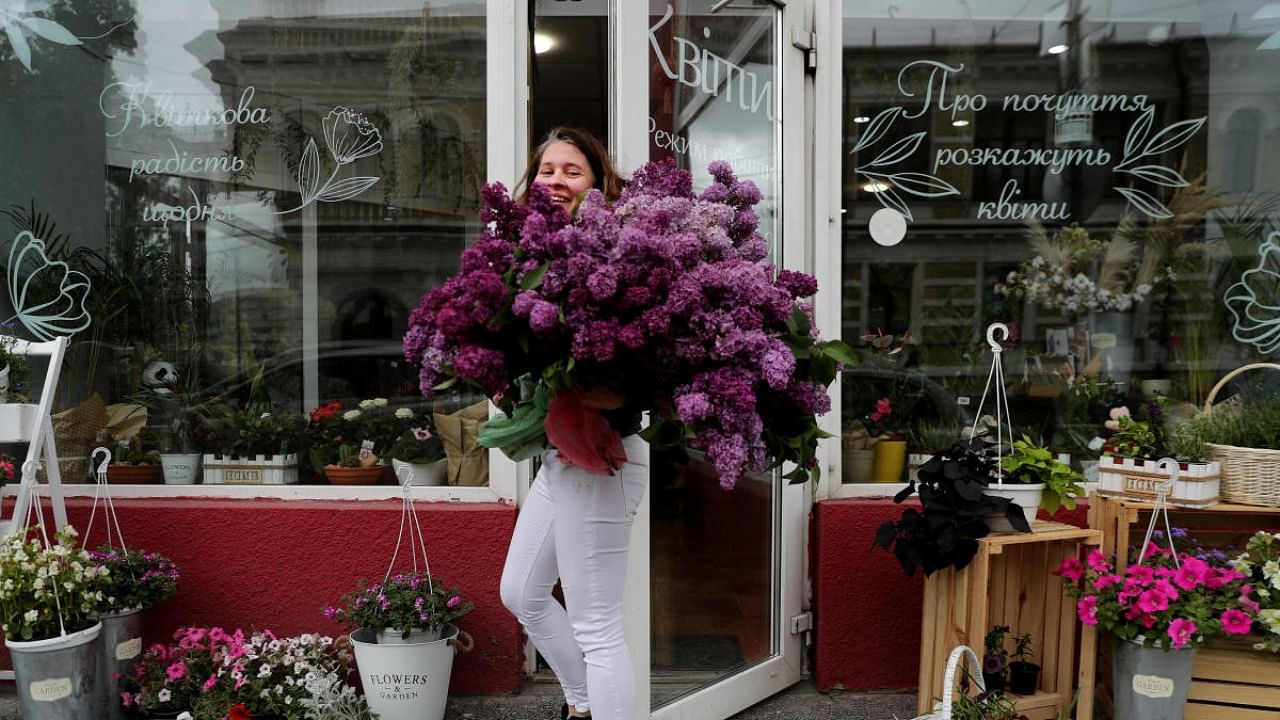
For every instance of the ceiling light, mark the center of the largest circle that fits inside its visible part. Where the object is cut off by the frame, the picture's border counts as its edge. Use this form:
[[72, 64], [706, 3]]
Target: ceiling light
[[542, 43], [959, 123], [862, 119], [875, 186], [1057, 49]]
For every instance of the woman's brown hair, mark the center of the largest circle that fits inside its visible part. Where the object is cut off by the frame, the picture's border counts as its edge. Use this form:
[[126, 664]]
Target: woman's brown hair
[[606, 178]]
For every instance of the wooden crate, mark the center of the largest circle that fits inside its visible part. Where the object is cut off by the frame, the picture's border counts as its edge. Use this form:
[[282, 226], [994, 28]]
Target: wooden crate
[[1011, 582], [1230, 681]]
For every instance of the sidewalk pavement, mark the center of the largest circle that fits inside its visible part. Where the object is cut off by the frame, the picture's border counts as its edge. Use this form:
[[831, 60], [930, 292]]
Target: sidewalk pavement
[[541, 701]]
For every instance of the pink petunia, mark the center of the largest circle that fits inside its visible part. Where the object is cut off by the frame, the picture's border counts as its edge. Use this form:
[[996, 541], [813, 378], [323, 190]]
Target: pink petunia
[[1141, 574], [209, 684], [1071, 569], [1102, 582], [1087, 609], [1098, 562], [176, 671], [1151, 601], [126, 699], [1192, 573], [454, 601], [1236, 622], [1180, 631]]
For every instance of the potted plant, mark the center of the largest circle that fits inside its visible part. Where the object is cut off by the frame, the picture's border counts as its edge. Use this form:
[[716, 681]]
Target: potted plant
[[925, 441], [889, 448], [405, 621], [8, 469], [1032, 464], [256, 444], [134, 461], [345, 445], [1244, 439], [173, 412], [279, 677], [1261, 564], [954, 510], [49, 611], [13, 368], [995, 659], [419, 448], [135, 581], [1157, 610], [1024, 676], [170, 678], [1128, 466]]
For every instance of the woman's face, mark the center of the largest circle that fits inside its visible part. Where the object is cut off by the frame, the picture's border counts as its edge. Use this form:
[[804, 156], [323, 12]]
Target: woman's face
[[566, 173]]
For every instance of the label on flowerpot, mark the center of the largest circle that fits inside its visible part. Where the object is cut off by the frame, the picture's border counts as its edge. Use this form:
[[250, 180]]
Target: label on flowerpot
[[396, 686], [129, 649], [1153, 686], [51, 690]]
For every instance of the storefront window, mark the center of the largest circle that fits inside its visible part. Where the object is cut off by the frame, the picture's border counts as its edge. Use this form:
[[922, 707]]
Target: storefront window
[[256, 194], [1099, 176]]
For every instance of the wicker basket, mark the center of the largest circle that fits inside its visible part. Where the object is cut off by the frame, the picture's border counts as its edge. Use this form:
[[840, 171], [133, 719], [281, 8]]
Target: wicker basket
[[1250, 476]]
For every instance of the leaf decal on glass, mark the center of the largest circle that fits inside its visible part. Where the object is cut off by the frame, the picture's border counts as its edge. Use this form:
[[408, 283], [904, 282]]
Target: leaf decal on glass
[[922, 185], [1270, 43], [1159, 175], [1173, 136], [309, 169], [877, 128], [349, 136], [898, 151], [1138, 131], [1146, 202], [1270, 11], [1153, 146], [29, 271], [19, 44], [1254, 303], [347, 188], [891, 199], [50, 30]]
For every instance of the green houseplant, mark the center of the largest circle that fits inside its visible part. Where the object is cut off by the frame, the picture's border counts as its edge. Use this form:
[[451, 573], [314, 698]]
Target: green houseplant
[[1030, 463], [13, 368], [1024, 675], [954, 507]]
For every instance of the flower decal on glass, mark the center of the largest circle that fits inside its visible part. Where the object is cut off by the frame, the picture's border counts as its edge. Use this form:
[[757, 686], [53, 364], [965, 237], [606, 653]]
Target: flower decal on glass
[[1269, 12], [350, 136], [1255, 300], [881, 180], [47, 296], [18, 19], [1141, 149]]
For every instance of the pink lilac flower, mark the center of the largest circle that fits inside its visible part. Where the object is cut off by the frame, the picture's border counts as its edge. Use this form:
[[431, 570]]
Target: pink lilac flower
[[1180, 631], [1236, 622]]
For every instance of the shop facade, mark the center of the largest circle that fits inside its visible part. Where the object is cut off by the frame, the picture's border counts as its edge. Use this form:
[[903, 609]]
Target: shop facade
[[253, 195]]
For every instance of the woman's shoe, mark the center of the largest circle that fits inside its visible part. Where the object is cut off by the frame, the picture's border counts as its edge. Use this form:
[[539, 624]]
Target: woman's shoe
[[564, 714]]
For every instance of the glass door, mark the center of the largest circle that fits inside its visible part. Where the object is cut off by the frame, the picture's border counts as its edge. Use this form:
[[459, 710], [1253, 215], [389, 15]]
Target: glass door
[[699, 81]]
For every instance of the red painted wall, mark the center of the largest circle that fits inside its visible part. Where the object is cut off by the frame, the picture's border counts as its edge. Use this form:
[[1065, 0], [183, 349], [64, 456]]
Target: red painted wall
[[867, 612], [275, 564]]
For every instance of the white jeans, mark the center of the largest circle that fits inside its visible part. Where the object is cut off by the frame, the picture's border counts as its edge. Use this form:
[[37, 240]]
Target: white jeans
[[576, 526]]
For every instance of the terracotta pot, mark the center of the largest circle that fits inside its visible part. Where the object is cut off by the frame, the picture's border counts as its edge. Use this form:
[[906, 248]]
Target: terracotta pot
[[135, 474], [354, 476]]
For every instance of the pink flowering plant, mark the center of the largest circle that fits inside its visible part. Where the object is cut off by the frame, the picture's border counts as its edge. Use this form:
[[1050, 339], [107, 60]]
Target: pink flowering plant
[[665, 291], [1161, 602], [134, 579], [405, 602], [173, 676]]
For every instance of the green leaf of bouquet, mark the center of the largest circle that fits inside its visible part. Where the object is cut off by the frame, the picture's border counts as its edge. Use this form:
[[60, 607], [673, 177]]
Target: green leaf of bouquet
[[797, 476], [840, 351], [533, 278], [799, 322], [446, 384]]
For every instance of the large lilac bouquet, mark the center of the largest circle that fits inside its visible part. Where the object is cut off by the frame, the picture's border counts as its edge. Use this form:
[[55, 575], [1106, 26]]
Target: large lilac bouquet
[[664, 293]]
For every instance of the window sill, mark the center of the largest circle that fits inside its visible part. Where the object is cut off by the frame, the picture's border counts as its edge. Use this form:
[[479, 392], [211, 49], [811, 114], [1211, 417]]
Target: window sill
[[278, 492]]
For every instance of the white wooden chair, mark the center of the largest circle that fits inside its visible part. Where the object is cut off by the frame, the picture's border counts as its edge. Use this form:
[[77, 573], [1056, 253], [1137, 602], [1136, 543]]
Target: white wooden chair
[[30, 423]]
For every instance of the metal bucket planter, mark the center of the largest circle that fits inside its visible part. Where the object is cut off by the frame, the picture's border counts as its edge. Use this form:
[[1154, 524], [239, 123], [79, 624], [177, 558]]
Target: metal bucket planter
[[57, 678], [1150, 683], [119, 645], [406, 681], [180, 468]]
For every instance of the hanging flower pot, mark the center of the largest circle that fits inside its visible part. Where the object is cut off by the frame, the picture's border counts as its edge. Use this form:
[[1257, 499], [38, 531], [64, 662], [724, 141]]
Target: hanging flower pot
[[407, 681], [1150, 683], [1026, 496], [57, 677], [120, 643]]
